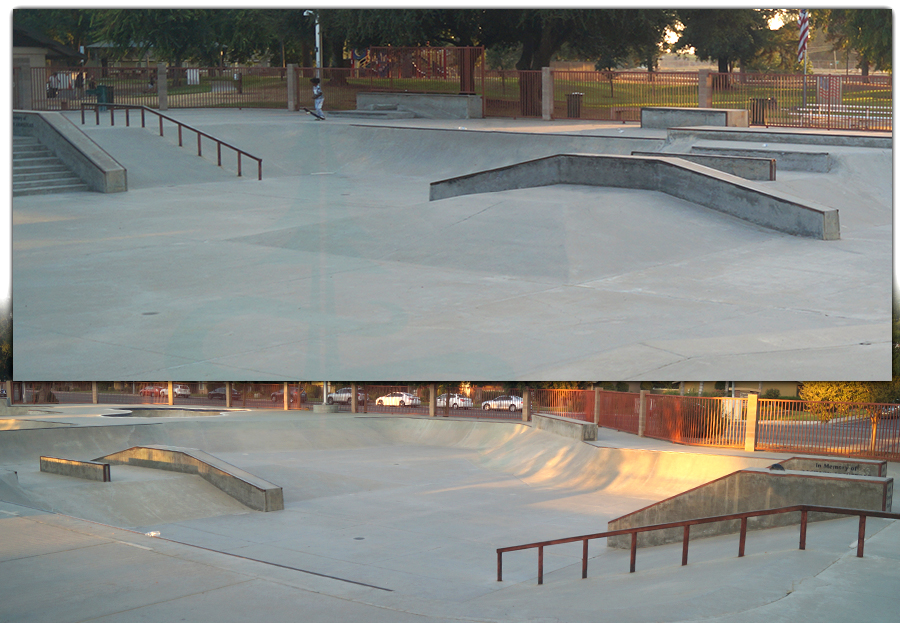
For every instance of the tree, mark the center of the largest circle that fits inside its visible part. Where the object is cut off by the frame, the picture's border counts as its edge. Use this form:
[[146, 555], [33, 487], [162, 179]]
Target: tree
[[6, 353], [72, 27], [727, 36], [868, 32]]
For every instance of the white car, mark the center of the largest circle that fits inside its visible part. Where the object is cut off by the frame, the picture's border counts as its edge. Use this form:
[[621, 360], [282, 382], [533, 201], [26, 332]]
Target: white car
[[513, 403], [399, 399], [180, 390], [344, 396], [456, 401]]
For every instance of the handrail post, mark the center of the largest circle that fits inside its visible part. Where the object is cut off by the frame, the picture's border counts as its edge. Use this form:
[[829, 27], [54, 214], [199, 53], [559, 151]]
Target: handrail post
[[862, 536], [499, 566], [259, 169], [803, 520], [584, 557], [743, 537], [97, 114], [82, 113], [112, 116], [199, 150], [633, 550], [540, 564], [143, 123], [180, 144], [219, 152], [160, 125], [127, 119], [684, 545], [239, 163]]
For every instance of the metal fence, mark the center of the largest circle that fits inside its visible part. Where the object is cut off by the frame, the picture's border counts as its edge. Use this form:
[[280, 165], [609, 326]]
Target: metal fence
[[697, 420], [844, 428], [570, 403], [783, 100]]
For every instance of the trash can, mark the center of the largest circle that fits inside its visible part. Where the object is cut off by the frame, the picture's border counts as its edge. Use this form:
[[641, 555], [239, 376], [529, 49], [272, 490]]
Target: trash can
[[573, 105], [758, 106], [104, 94]]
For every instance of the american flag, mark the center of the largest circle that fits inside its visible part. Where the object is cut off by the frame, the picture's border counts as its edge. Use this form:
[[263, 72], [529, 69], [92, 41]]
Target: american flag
[[804, 34]]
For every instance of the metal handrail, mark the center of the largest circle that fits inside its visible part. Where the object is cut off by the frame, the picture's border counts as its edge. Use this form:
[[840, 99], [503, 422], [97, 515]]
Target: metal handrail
[[804, 509], [144, 109]]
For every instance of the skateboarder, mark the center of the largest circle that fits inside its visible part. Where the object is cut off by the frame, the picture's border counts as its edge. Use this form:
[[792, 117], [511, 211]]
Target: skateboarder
[[318, 99]]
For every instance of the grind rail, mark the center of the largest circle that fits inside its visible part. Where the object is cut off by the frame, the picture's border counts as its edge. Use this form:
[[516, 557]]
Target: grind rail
[[804, 509], [144, 109]]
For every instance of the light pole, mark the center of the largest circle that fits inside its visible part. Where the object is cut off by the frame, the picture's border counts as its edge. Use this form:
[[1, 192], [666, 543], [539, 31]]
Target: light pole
[[318, 42]]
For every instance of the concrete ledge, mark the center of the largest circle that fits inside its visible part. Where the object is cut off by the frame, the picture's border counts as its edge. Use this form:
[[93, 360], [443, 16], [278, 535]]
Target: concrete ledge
[[163, 413], [243, 486], [757, 169], [664, 117], [88, 470], [564, 427], [751, 489], [855, 467], [814, 162], [692, 182], [425, 105], [83, 156], [320, 408], [844, 138]]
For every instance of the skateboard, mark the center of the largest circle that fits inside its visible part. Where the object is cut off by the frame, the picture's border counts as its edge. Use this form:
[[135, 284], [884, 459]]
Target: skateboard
[[319, 117]]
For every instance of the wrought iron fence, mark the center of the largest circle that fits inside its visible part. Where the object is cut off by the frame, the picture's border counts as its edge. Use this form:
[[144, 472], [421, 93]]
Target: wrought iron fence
[[841, 428], [697, 420], [570, 403], [226, 87], [65, 88], [619, 410]]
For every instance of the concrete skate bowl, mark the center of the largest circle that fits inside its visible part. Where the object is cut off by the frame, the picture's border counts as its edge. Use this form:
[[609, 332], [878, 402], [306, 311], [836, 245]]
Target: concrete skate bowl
[[337, 457]]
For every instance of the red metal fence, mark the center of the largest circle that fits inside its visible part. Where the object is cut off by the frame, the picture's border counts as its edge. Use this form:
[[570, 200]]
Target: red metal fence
[[697, 420]]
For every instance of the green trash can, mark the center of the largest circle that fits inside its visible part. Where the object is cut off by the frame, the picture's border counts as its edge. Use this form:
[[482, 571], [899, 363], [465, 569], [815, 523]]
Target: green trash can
[[573, 105], [103, 93]]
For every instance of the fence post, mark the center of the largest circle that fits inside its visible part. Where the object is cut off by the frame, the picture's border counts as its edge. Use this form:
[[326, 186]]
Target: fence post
[[752, 426], [93, 392], [704, 89], [526, 405], [171, 394], [642, 414], [227, 394], [596, 407], [287, 397], [162, 86], [432, 399], [547, 94], [9, 393], [293, 99]]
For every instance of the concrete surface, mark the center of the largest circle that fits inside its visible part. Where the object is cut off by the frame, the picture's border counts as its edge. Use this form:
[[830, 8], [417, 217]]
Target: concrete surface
[[662, 117], [857, 467], [751, 489], [86, 159], [694, 182], [398, 519], [336, 265], [249, 490]]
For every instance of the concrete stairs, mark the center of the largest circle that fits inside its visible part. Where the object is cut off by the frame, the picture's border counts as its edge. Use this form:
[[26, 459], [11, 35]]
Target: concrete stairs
[[37, 170]]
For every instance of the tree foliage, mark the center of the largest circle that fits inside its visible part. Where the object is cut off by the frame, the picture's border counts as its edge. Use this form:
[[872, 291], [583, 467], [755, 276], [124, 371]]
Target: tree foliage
[[727, 36], [868, 32], [6, 352]]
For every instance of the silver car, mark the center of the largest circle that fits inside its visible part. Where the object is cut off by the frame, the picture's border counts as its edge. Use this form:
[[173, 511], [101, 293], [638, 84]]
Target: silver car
[[512, 403], [457, 401]]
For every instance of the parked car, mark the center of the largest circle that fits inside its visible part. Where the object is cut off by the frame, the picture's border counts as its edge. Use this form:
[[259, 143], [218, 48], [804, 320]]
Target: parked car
[[219, 394], [152, 390], [179, 389], [344, 396], [457, 401], [513, 403], [891, 411], [279, 396], [399, 399]]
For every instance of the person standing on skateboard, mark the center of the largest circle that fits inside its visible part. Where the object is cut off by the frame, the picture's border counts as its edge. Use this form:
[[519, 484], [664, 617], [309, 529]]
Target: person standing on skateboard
[[318, 99]]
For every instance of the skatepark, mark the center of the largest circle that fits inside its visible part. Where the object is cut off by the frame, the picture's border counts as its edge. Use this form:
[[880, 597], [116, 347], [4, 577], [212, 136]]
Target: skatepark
[[337, 264], [393, 518]]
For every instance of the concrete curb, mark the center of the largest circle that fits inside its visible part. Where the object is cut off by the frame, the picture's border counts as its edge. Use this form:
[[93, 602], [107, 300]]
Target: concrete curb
[[773, 135], [758, 169], [564, 427], [100, 171], [88, 470], [243, 486], [692, 182]]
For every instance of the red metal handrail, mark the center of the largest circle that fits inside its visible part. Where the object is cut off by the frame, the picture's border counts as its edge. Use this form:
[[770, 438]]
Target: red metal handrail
[[144, 109], [804, 509]]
